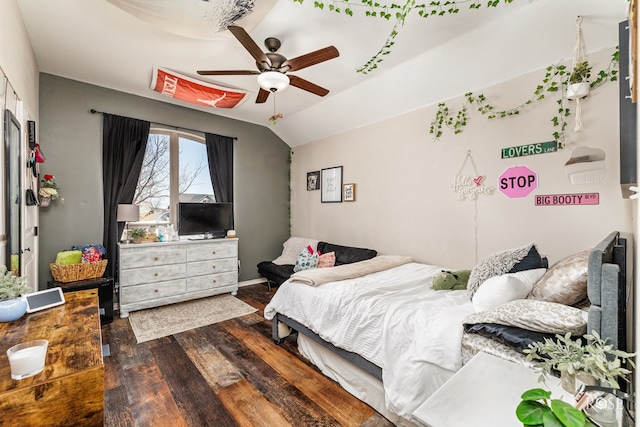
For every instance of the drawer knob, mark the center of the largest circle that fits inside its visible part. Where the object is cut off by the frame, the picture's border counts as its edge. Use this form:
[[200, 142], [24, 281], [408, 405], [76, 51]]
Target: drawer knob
[[155, 290], [214, 267], [155, 274], [215, 281], [155, 258], [213, 252]]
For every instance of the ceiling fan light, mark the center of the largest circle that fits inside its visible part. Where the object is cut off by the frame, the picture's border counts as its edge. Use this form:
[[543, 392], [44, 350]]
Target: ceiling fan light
[[273, 81]]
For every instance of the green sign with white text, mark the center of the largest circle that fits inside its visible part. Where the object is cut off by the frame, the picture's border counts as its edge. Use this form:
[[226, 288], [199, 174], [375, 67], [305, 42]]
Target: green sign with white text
[[530, 149]]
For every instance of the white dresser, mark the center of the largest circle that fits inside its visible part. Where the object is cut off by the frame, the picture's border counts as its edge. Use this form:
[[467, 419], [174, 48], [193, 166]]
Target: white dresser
[[154, 274]]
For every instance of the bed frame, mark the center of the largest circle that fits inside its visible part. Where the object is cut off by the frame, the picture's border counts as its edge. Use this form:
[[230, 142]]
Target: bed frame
[[607, 290]]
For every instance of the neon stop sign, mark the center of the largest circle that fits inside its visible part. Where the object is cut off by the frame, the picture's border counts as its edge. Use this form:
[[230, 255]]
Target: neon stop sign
[[517, 182]]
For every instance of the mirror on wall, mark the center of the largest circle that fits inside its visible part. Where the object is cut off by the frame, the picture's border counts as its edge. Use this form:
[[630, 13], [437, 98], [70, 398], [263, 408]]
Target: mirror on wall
[[13, 200]]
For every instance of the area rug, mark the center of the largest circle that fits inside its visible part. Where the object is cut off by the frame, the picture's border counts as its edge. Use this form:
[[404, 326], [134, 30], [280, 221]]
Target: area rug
[[158, 322]]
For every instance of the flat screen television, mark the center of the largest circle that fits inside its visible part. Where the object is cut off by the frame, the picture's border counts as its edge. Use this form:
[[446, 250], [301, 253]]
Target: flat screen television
[[207, 220]]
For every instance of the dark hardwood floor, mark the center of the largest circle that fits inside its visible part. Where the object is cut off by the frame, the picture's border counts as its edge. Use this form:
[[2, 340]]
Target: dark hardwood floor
[[227, 374]]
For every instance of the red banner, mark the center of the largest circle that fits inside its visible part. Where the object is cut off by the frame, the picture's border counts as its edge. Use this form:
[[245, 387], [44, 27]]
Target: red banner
[[195, 91]]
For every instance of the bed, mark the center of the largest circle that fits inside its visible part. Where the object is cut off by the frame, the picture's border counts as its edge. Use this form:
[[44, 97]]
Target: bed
[[391, 340]]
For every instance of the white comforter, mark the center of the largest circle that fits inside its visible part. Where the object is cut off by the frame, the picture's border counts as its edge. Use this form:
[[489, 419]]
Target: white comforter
[[392, 318]]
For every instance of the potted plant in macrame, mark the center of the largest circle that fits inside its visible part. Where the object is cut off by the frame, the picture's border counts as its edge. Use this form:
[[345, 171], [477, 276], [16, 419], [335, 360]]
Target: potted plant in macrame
[[12, 305], [578, 83]]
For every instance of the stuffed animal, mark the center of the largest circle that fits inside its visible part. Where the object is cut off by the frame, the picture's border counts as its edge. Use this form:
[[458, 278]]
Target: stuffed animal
[[451, 280]]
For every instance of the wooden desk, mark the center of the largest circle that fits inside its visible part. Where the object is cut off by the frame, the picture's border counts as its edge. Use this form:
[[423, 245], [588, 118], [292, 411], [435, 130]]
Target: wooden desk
[[70, 390]]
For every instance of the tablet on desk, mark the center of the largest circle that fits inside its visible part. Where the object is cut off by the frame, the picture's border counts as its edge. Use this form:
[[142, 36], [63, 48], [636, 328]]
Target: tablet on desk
[[47, 298]]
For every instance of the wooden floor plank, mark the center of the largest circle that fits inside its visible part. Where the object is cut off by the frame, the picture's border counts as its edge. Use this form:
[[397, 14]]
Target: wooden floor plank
[[117, 411], [249, 407], [300, 409], [216, 369], [324, 392], [191, 392], [150, 398]]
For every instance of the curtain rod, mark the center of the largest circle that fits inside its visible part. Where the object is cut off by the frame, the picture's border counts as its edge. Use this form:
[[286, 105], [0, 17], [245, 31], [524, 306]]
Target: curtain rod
[[94, 111]]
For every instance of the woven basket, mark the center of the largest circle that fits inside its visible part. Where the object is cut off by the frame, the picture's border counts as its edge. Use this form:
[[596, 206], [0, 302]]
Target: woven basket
[[74, 272]]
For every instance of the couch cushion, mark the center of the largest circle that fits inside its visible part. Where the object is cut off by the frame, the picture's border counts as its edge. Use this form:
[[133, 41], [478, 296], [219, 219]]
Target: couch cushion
[[275, 273], [346, 254]]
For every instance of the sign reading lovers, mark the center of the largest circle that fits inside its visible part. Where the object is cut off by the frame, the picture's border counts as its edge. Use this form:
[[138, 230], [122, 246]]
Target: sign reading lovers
[[517, 182]]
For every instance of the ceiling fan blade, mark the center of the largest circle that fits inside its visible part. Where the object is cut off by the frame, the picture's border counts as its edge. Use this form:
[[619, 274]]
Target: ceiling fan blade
[[227, 73], [307, 85], [309, 59], [262, 96], [245, 39]]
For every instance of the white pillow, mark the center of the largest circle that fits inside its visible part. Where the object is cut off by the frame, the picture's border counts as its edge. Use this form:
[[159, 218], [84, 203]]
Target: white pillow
[[292, 248], [497, 290]]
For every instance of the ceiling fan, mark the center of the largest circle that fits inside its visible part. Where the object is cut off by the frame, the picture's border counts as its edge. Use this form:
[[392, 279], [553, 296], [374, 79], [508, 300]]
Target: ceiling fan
[[273, 68]]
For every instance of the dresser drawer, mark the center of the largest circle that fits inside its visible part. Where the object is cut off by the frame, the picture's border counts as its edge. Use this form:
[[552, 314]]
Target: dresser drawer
[[151, 291], [211, 281], [207, 251], [147, 257], [138, 276], [210, 267]]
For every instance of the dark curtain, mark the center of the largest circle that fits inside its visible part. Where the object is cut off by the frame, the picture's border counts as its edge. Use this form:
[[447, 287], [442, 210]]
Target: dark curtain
[[220, 156], [124, 141]]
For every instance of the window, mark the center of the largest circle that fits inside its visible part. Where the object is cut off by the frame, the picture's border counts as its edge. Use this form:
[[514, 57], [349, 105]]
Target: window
[[175, 169]]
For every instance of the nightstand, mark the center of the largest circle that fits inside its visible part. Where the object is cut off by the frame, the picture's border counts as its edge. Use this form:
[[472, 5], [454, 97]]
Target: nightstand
[[105, 293], [484, 392]]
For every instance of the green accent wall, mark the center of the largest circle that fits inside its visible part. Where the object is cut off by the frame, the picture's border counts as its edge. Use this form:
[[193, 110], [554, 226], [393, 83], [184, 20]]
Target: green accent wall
[[71, 139]]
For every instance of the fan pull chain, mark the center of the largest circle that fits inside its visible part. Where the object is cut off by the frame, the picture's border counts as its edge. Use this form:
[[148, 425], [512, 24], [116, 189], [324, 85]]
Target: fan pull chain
[[275, 116]]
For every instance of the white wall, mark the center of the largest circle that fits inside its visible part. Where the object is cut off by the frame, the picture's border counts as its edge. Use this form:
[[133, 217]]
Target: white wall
[[19, 70], [405, 204]]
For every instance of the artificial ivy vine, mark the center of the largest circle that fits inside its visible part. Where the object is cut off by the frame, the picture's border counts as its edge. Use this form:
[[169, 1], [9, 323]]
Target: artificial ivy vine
[[400, 13], [556, 80]]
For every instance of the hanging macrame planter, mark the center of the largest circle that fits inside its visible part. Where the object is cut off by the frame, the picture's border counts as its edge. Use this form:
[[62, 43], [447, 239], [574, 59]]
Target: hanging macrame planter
[[578, 85]]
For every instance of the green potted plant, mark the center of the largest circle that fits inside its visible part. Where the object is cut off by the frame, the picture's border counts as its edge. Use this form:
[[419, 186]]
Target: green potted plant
[[137, 234], [593, 360], [538, 409], [578, 83], [12, 305]]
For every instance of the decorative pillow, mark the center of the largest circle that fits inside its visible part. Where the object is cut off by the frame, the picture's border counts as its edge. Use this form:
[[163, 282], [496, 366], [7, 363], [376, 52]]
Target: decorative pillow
[[565, 282], [509, 261], [292, 248], [504, 288], [534, 315], [516, 338], [326, 260], [307, 259]]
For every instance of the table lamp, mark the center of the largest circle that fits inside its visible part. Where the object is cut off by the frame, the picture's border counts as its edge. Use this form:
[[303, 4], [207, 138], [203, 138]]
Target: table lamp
[[128, 213]]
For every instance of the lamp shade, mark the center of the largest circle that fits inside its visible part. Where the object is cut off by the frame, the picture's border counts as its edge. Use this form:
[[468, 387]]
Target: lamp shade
[[273, 81], [127, 213]]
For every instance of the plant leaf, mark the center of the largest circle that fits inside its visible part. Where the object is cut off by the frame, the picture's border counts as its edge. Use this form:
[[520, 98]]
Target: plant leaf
[[531, 412], [550, 420], [536, 394], [570, 416]]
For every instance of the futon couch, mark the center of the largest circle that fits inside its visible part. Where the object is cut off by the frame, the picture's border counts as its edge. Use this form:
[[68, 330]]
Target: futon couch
[[281, 268]]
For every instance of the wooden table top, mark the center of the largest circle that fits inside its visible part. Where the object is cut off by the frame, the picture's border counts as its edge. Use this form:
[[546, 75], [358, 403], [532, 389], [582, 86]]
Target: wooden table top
[[73, 331]]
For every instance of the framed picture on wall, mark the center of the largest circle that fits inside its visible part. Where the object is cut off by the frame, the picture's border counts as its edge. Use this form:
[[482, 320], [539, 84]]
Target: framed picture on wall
[[349, 193], [331, 185], [313, 181]]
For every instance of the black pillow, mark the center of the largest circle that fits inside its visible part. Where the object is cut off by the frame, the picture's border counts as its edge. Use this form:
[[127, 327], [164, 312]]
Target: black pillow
[[516, 338], [531, 261]]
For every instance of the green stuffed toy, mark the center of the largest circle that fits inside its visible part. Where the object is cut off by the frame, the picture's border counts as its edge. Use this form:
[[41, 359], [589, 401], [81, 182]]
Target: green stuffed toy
[[451, 280]]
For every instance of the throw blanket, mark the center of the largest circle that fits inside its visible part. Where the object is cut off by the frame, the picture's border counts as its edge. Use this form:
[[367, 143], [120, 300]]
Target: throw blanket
[[319, 276]]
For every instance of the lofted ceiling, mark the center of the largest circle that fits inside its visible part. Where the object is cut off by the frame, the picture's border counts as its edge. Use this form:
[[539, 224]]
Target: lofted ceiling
[[433, 59]]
